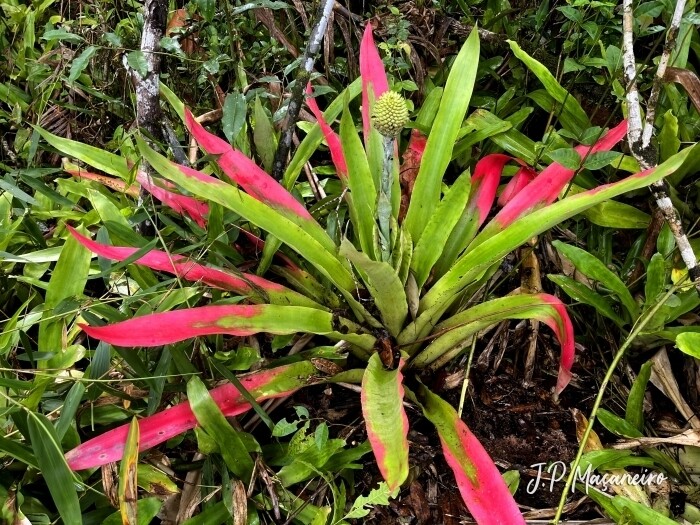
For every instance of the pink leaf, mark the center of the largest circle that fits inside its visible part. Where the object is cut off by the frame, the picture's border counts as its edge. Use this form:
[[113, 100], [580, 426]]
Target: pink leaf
[[560, 323], [182, 267], [487, 175], [331, 136], [245, 172], [522, 178], [374, 81], [547, 186], [156, 429], [170, 327], [182, 204], [480, 483]]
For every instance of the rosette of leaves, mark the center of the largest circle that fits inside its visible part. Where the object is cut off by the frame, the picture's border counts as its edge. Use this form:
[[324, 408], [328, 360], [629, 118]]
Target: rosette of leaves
[[398, 314]]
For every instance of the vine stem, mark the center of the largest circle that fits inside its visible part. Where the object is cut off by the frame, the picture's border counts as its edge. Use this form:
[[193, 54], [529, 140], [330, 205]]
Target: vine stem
[[638, 327], [639, 135]]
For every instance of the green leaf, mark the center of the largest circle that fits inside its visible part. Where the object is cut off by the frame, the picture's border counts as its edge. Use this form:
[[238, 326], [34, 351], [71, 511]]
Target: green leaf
[[567, 157], [207, 8], [137, 61], [600, 159], [234, 114], [617, 425], [578, 116], [438, 230], [67, 281], [62, 35], [363, 193], [583, 294], [634, 411], [655, 280], [594, 269], [54, 468], [70, 408], [214, 423], [128, 491], [362, 506], [613, 214], [383, 284], [80, 63], [98, 158], [386, 420], [264, 136], [147, 508], [438, 150], [641, 513], [689, 343]]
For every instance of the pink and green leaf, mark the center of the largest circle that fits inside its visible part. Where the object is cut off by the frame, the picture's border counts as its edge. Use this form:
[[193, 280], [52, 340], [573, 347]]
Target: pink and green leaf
[[156, 429], [386, 420], [244, 172], [481, 485], [484, 184], [472, 265], [257, 289], [305, 237], [546, 187], [332, 139], [458, 328], [182, 204], [240, 320]]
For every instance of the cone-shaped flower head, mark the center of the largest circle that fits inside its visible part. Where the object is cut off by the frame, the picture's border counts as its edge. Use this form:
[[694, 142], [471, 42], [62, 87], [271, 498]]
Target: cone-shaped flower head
[[390, 114]]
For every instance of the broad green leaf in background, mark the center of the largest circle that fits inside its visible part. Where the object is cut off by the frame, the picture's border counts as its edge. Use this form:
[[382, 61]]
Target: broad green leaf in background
[[593, 268], [80, 63], [234, 114], [212, 420], [689, 343], [96, 157], [561, 95], [137, 61], [263, 136], [59, 478], [583, 294], [612, 214], [655, 283], [67, 281]]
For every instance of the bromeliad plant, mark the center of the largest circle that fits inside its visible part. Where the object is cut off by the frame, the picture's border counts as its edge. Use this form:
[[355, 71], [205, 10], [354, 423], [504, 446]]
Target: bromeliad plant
[[394, 287]]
